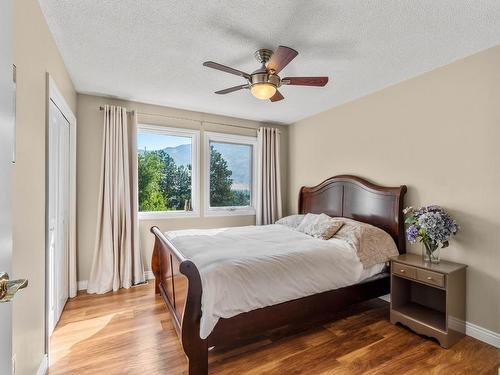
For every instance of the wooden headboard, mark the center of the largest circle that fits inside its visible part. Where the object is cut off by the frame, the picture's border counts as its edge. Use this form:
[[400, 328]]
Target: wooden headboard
[[356, 198]]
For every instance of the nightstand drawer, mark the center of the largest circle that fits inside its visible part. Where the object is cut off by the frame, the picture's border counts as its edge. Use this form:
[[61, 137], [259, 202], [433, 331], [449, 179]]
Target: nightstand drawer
[[403, 270], [430, 277]]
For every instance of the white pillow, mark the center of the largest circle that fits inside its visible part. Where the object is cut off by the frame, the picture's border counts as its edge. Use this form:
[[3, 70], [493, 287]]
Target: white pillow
[[307, 223], [292, 221], [320, 226]]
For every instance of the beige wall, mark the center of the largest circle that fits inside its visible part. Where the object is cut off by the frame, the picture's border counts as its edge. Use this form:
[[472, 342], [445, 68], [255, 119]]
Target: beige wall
[[35, 54], [90, 123], [439, 134]]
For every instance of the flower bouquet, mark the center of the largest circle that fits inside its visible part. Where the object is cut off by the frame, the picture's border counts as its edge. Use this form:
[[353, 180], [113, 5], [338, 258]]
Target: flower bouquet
[[433, 227]]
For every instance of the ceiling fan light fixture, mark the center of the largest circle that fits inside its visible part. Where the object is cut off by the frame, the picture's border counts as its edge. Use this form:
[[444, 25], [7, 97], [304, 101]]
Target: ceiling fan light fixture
[[263, 90], [265, 81]]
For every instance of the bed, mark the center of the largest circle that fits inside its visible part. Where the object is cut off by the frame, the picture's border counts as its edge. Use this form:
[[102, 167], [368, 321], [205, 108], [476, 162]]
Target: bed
[[180, 283]]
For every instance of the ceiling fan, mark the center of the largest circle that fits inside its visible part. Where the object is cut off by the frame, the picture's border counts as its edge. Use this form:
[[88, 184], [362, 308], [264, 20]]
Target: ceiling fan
[[264, 82]]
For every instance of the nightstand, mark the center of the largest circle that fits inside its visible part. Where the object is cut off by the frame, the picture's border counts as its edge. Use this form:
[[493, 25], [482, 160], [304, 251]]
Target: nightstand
[[429, 298]]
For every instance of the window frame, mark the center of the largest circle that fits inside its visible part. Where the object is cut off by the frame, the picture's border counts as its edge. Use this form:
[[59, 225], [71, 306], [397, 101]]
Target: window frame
[[234, 139], [195, 171]]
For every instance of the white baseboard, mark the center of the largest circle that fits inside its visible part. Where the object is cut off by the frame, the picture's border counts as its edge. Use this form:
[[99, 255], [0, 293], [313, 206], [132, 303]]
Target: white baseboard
[[471, 329], [482, 334], [386, 298], [82, 285], [44, 365]]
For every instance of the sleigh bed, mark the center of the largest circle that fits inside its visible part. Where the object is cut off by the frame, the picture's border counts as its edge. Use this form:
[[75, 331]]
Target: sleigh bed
[[178, 280]]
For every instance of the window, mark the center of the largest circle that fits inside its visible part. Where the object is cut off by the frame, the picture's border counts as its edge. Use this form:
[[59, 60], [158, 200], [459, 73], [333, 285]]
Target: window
[[167, 171], [230, 170]]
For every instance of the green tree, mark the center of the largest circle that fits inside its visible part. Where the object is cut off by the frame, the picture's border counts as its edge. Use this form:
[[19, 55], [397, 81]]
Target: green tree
[[220, 180], [183, 185], [150, 173], [168, 182], [240, 198], [162, 184]]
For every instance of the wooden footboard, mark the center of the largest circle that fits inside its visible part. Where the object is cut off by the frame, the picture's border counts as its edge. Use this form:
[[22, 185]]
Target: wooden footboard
[[178, 281]]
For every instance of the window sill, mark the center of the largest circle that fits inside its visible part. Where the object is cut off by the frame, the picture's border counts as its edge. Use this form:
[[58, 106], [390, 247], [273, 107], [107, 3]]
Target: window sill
[[223, 212], [168, 215]]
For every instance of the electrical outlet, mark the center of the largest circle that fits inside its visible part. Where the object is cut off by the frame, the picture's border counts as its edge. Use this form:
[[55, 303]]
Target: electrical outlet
[[13, 364]]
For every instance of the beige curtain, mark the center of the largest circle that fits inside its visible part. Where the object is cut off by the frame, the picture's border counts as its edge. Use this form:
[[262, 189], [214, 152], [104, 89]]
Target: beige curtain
[[117, 259], [269, 205]]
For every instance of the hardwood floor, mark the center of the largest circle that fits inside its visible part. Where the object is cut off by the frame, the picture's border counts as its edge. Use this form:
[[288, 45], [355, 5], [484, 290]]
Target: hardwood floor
[[130, 332]]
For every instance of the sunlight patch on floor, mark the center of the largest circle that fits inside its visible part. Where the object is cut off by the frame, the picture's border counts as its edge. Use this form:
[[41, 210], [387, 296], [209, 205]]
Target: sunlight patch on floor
[[73, 333]]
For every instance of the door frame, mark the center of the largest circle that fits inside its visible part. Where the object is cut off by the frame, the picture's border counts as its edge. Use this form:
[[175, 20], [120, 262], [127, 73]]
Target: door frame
[[7, 159], [55, 95]]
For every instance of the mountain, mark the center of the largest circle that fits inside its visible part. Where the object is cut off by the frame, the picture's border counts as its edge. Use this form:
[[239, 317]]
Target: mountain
[[181, 154]]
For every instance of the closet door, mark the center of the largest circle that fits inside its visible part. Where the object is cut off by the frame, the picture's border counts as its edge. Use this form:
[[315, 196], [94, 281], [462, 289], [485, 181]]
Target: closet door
[[59, 169], [62, 248]]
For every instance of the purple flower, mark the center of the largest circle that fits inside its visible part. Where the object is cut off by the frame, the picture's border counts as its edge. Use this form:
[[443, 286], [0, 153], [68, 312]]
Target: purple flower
[[412, 233], [438, 225], [432, 224]]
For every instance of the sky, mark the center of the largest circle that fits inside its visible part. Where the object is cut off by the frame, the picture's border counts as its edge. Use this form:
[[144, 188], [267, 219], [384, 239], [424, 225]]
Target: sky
[[150, 141]]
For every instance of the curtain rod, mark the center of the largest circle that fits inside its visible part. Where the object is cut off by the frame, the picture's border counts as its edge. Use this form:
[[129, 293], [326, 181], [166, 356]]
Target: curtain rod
[[101, 108]]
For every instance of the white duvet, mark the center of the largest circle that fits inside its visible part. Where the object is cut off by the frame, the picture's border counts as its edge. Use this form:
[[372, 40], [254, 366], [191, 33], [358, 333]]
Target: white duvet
[[246, 268]]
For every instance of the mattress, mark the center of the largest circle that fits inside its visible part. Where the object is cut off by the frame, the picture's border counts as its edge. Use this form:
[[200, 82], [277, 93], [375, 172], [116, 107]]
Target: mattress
[[246, 268]]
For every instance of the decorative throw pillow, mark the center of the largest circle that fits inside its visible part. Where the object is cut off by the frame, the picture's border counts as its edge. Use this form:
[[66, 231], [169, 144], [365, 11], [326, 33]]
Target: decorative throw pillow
[[373, 245], [320, 226], [292, 221], [306, 225]]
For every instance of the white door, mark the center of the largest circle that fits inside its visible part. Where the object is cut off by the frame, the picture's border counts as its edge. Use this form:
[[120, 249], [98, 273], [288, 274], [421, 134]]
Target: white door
[[7, 125], [58, 172]]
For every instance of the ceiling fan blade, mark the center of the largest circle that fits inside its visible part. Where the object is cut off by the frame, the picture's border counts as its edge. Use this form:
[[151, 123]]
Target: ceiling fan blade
[[280, 58], [305, 81], [226, 69], [277, 97], [232, 89]]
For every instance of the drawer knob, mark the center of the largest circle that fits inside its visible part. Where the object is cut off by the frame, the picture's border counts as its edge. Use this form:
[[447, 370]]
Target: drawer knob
[[402, 271], [429, 278]]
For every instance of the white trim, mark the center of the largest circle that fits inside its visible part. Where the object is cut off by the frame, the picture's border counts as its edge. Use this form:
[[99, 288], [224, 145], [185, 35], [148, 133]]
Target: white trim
[[195, 170], [82, 285], [57, 98], [229, 211], [235, 139], [478, 332], [148, 275], [44, 365], [456, 324], [386, 298], [482, 334], [151, 215]]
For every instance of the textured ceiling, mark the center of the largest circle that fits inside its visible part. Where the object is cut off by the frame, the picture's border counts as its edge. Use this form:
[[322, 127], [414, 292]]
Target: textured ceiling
[[152, 50]]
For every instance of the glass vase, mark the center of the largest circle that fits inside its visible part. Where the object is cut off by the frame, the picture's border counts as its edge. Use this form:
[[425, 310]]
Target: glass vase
[[431, 254]]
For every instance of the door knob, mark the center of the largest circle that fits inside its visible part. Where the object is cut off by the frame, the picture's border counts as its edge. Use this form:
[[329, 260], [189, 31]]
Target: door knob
[[9, 288]]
